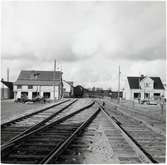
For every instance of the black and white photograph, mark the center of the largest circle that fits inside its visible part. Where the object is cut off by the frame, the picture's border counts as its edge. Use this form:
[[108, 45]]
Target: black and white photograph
[[83, 82]]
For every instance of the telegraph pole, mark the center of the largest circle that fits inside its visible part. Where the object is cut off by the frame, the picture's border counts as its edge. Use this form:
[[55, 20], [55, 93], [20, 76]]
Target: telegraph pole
[[7, 74], [119, 84], [54, 80]]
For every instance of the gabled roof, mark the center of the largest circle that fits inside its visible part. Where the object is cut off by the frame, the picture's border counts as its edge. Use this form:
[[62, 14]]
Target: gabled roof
[[8, 84], [69, 83], [32, 77], [134, 82]]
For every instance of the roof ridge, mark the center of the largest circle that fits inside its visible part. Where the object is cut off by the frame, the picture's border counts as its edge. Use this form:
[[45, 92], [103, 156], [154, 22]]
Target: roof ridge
[[40, 71]]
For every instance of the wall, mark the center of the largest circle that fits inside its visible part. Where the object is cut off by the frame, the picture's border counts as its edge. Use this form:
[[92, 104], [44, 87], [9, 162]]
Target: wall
[[5, 93], [40, 89], [67, 87], [149, 81], [142, 91], [129, 93], [126, 91]]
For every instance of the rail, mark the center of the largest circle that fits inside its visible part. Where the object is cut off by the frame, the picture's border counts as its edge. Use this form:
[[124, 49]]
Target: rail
[[42, 122], [6, 149], [57, 151], [31, 114], [143, 155]]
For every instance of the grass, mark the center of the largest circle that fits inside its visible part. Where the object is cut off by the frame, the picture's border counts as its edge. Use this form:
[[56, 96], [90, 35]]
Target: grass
[[10, 110]]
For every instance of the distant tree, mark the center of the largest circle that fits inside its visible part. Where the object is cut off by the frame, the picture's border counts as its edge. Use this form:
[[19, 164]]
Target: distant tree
[[93, 89]]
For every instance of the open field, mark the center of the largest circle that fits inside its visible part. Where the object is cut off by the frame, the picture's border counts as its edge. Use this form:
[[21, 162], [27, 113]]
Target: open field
[[151, 114], [10, 109]]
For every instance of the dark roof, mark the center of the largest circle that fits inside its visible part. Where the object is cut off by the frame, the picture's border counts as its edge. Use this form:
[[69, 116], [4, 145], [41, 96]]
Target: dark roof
[[38, 78], [8, 84], [134, 82]]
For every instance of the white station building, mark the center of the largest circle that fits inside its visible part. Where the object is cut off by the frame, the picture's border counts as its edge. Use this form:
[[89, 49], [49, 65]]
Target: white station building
[[33, 83], [143, 87]]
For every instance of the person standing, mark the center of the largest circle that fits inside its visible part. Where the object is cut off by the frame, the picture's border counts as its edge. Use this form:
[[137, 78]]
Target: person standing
[[162, 104]]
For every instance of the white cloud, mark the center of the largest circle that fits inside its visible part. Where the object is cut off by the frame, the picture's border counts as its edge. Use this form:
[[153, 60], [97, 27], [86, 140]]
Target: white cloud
[[90, 39]]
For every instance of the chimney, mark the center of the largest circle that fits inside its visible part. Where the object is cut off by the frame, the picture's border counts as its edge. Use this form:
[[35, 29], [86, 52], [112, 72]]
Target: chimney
[[142, 75]]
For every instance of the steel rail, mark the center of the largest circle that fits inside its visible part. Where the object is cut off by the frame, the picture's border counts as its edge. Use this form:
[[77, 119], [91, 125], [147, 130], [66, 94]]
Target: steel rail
[[142, 154], [7, 148], [55, 153], [41, 123], [156, 130], [134, 110], [31, 114]]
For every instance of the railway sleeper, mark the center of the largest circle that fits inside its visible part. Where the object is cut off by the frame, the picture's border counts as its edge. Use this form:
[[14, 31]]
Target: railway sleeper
[[36, 149], [61, 131], [20, 162], [38, 143], [25, 157], [6, 133], [12, 128], [125, 160]]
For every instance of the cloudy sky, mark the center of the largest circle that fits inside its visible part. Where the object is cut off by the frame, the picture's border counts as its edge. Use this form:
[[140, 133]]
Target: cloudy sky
[[89, 40]]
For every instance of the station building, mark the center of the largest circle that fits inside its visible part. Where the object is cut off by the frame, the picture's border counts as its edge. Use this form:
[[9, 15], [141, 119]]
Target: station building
[[143, 87], [6, 90], [68, 89], [33, 83]]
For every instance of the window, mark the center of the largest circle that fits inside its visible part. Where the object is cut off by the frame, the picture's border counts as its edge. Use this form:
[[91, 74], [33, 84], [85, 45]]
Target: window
[[137, 95], [146, 84], [35, 94], [30, 86], [24, 95], [156, 96], [146, 95], [19, 86], [46, 94]]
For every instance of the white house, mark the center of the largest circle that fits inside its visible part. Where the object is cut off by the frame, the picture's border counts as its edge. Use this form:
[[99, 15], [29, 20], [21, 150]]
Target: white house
[[67, 88], [143, 87], [32, 83]]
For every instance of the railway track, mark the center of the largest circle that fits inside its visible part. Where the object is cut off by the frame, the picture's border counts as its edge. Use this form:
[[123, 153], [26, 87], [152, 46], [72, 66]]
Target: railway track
[[26, 123], [156, 124], [104, 141], [100, 143], [92, 134], [46, 143], [150, 143], [140, 114]]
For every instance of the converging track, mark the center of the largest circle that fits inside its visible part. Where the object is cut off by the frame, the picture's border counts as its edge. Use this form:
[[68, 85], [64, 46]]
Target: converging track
[[150, 143], [100, 143], [104, 141], [92, 134], [156, 123], [40, 145], [19, 126]]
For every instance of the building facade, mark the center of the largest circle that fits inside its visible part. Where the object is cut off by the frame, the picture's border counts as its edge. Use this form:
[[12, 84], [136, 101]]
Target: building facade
[[67, 89], [39, 83], [143, 87], [6, 90]]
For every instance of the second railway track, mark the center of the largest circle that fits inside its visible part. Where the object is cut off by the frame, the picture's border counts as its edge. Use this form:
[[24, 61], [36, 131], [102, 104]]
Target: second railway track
[[40, 145], [150, 142], [95, 133], [22, 125]]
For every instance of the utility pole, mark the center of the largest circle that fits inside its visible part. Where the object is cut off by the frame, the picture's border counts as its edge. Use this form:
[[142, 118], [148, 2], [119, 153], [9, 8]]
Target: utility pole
[[119, 84], [7, 74], [54, 80], [61, 88]]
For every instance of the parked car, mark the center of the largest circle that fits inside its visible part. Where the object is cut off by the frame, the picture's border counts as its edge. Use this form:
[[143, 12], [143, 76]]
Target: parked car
[[24, 99], [152, 102], [144, 101], [148, 102]]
